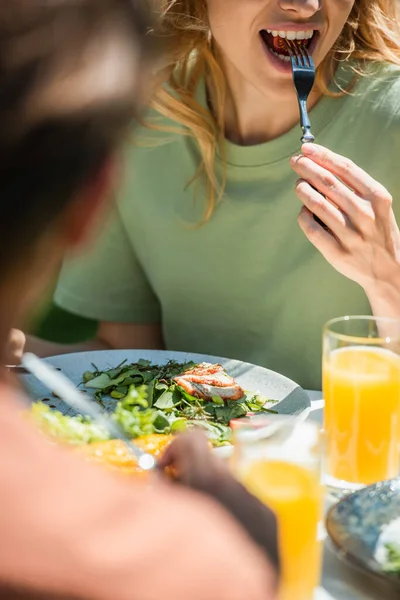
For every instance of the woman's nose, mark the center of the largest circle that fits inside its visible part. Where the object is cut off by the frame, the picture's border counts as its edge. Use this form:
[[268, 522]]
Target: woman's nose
[[301, 9]]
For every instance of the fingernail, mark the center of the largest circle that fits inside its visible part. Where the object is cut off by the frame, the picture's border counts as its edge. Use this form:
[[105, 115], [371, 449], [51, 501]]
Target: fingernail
[[294, 159]]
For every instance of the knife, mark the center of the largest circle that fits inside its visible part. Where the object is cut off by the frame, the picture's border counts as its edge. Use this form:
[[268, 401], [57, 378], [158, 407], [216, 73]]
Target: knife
[[67, 391]]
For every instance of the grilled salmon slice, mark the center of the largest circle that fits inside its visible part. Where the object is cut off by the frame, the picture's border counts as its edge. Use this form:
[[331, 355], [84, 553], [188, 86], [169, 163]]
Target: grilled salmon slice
[[206, 380]]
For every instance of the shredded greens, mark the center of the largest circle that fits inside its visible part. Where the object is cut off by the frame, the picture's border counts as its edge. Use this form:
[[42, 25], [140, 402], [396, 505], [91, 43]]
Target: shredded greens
[[392, 563], [74, 430], [150, 401]]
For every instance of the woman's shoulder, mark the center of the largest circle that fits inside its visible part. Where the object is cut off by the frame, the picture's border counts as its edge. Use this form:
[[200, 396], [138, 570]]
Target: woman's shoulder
[[159, 123], [372, 119], [378, 91], [153, 135], [380, 73], [161, 127], [154, 128]]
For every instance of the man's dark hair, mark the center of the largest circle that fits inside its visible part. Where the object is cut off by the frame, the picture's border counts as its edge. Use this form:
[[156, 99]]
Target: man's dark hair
[[70, 83]]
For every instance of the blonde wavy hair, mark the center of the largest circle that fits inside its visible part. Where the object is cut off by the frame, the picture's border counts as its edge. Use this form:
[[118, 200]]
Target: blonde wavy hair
[[371, 34]]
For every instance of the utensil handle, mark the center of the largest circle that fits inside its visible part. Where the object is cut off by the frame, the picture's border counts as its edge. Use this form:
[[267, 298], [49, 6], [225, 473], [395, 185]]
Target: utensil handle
[[305, 122], [304, 118], [311, 139]]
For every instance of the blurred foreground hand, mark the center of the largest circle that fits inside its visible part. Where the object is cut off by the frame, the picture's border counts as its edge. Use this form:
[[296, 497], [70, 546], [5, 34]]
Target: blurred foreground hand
[[198, 468], [15, 347]]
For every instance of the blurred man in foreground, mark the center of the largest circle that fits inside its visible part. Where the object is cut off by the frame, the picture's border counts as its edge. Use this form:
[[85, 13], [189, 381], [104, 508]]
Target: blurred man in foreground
[[70, 82]]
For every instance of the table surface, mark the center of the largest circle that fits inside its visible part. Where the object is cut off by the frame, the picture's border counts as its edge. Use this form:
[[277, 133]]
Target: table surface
[[339, 580]]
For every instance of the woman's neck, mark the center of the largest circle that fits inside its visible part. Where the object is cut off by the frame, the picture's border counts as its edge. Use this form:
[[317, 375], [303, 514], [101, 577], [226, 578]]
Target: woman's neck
[[251, 117]]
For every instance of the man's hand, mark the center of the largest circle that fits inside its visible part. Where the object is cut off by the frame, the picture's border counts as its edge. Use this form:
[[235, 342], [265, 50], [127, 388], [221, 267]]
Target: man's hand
[[15, 347], [195, 466]]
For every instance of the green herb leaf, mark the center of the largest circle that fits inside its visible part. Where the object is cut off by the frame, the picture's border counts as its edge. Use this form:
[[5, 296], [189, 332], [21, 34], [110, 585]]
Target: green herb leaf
[[179, 425], [119, 393], [214, 432], [392, 564], [100, 382], [166, 400], [217, 400], [254, 407], [151, 392], [135, 380], [88, 376], [225, 414], [161, 386], [112, 373], [188, 396], [161, 423]]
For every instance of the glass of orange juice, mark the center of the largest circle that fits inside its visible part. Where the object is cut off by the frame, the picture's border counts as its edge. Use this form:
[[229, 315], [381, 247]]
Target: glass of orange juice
[[278, 458], [361, 385]]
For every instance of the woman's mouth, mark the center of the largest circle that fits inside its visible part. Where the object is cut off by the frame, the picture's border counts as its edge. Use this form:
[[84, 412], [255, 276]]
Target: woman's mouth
[[275, 41]]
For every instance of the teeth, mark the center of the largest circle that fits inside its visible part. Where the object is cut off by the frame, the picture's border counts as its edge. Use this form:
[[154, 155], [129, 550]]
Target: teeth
[[280, 56], [292, 35]]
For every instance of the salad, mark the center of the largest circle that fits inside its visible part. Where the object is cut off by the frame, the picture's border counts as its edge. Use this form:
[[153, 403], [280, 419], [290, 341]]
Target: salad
[[157, 399], [388, 548], [392, 562]]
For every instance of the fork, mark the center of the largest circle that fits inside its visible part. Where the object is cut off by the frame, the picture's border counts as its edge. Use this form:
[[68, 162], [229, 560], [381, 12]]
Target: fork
[[303, 70]]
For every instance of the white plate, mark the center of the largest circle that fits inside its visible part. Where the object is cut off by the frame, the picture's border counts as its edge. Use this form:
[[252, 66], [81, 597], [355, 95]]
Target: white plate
[[292, 399]]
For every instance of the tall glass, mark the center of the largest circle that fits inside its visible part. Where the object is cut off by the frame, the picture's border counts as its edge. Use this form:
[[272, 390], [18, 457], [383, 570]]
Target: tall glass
[[279, 460], [361, 385]]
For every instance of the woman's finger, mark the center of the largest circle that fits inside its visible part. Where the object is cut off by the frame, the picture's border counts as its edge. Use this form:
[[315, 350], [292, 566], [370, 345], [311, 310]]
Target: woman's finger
[[323, 241], [359, 211], [352, 175], [329, 214]]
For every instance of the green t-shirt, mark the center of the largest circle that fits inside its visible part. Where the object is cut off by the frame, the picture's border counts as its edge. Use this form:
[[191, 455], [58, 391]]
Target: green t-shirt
[[247, 284]]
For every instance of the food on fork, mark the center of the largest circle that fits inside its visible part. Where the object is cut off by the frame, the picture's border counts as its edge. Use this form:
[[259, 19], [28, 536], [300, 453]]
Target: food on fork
[[206, 381]]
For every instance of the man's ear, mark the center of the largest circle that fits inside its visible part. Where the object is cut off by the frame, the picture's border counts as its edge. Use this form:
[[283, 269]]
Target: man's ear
[[90, 204]]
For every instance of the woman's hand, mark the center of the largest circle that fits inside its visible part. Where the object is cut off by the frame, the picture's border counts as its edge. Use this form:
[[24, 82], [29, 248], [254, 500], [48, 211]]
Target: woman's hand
[[363, 241]]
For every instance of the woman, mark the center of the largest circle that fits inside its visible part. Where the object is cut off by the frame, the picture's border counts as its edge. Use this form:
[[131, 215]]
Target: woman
[[205, 253]]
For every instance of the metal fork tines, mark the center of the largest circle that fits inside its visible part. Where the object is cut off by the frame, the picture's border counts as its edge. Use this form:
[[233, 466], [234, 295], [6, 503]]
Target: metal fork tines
[[304, 78]]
